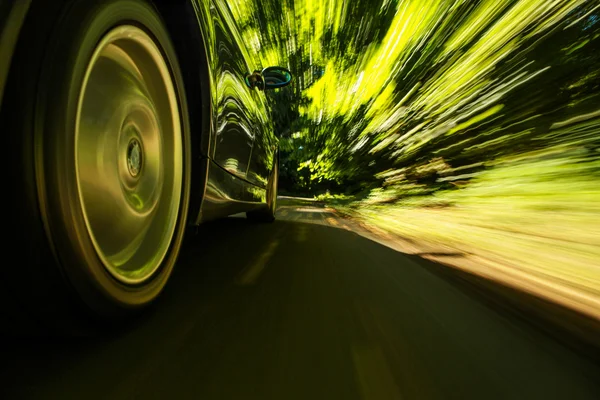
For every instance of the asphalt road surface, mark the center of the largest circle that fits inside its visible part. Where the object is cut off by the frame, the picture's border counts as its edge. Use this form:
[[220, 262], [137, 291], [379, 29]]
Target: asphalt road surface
[[308, 309]]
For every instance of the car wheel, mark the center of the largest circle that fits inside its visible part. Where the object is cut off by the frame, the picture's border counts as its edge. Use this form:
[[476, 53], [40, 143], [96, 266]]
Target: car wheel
[[105, 144], [267, 214]]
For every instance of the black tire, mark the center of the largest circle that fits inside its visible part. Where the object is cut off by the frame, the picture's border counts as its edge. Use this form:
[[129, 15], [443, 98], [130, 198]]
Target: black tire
[[60, 278], [267, 213]]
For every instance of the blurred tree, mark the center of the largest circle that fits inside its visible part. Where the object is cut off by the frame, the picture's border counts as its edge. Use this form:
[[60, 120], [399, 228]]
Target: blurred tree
[[390, 91]]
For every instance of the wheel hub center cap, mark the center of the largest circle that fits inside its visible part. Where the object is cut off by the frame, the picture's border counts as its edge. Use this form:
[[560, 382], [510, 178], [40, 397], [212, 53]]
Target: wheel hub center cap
[[134, 157]]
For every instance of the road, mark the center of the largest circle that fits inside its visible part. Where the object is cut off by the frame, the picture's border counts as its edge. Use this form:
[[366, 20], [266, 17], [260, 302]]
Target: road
[[305, 308]]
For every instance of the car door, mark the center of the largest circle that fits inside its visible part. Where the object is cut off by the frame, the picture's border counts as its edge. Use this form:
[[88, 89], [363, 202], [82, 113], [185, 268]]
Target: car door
[[265, 144], [235, 105]]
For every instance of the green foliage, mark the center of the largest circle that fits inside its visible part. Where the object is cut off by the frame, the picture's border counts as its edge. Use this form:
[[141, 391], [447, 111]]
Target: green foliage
[[385, 89]]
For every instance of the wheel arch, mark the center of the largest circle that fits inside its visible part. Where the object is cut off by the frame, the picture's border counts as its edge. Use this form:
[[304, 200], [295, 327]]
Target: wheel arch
[[188, 25]]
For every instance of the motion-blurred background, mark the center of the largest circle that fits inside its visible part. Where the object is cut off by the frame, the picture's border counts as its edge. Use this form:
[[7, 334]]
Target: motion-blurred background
[[469, 124]]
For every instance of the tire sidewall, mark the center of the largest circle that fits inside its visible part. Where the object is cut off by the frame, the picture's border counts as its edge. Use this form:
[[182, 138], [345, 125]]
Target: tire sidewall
[[83, 26]]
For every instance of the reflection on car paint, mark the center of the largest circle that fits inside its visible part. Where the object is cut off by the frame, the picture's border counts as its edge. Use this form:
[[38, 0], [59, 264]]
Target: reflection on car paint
[[236, 111], [226, 194], [242, 129], [265, 144]]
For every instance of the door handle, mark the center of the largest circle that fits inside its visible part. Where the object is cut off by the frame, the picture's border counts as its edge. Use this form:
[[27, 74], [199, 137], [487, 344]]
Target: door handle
[[269, 78], [255, 80]]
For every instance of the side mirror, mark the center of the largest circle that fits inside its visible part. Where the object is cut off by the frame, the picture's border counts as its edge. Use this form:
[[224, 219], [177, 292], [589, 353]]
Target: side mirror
[[276, 77]]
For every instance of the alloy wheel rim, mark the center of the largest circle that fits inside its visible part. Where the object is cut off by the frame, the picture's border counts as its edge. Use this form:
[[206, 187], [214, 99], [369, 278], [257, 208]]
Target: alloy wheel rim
[[129, 154]]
